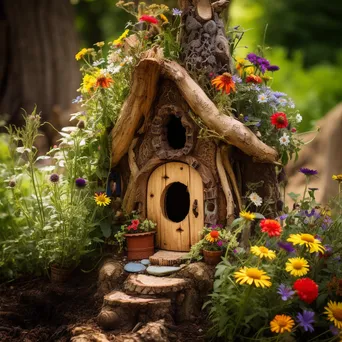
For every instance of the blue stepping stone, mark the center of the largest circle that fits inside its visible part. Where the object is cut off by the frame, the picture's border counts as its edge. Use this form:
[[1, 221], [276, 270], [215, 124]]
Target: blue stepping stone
[[162, 270], [145, 262], [133, 267]]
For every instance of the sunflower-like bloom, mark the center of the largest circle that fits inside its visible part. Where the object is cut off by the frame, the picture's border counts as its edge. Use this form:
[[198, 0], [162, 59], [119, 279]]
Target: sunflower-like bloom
[[213, 236], [334, 312], [119, 41], [102, 199], [89, 82], [337, 177], [253, 79], [81, 54], [263, 252], [243, 66], [282, 323], [104, 81], [252, 276], [297, 266], [248, 216], [224, 82], [308, 240]]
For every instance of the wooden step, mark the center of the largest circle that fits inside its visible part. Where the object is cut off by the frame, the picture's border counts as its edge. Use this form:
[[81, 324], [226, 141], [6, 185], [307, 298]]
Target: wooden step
[[151, 285], [167, 258]]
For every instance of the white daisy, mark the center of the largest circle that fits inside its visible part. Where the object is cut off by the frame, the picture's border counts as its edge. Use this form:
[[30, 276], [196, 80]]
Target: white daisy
[[99, 62], [255, 198], [299, 118], [262, 98], [284, 139]]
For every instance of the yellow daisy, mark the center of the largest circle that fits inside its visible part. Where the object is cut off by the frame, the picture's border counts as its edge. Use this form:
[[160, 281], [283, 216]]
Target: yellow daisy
[[121, 38], [334, 312], [252, 275], [89, 82], [241, 66], [337, 177], [308, 240], [247, 215], [297, 267], [263, 252], [81, 54], [102, 199], [212, 236], [163, 17], [281, 323]]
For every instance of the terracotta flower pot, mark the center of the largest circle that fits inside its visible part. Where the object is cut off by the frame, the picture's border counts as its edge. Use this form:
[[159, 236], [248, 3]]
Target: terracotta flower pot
[[212, 257], [59, 274], [140, 245]]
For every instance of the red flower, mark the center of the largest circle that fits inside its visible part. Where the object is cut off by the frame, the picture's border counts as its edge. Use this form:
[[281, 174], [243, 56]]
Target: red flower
[[104, 82], [253, 79], [293, 130], [214, 234], [279, 120], [271, 227], [149, 18], [307, 289], [135, 222], [224, 82]]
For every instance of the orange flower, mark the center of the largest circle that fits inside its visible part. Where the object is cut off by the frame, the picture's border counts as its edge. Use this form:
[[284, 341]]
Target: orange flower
[[214, 234], [224, 82], [103, 81], [253, 79]]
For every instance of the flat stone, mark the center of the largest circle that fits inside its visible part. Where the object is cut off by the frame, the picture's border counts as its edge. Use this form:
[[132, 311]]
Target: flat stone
[[145, 262], [133, 267], [162, 270], [167, 258]]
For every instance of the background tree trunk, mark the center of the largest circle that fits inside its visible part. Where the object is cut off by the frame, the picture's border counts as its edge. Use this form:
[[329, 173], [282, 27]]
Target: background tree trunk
[[37, 65]]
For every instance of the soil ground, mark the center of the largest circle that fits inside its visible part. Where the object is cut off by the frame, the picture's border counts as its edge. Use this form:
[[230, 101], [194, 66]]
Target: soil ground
[[35, 310]]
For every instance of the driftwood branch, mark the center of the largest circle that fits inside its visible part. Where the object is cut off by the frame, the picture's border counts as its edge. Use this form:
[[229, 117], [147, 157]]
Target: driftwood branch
[[233, 131], [225, 187]]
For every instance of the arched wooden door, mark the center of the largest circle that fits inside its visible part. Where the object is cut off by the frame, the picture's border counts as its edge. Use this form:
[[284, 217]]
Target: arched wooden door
[[175, 203]]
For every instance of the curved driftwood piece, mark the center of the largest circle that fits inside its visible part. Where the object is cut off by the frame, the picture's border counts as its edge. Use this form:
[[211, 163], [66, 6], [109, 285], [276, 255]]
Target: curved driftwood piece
[[138, 104], [231, 175], [233, 131], [225, 187]]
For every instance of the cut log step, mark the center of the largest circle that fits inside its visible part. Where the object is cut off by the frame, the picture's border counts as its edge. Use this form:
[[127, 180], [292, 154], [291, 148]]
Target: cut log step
[[167, 258], [150, 285]]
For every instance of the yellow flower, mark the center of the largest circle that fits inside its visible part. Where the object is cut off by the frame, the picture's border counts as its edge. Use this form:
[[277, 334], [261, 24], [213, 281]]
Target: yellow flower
[[211, 238], [248, 216], [281, 323], [263, 252], [297, 267], [337, 177], [99, 44], [102, 199], [252, 275], [334, 312], [163, 17], [266, 78], [308, 240], [241, 66], [81, 54], [89, 82], [121, 38]]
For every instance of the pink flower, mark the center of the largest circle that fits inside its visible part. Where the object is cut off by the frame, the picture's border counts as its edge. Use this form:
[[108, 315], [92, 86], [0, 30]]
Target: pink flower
[[149, 18]]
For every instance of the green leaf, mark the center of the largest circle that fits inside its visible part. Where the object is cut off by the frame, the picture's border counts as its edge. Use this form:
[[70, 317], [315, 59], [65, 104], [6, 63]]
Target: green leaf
[[259, 216], [106, 229], [293, 196]]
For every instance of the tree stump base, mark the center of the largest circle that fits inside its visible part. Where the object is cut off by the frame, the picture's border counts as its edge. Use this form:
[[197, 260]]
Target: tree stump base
[[167, 258]]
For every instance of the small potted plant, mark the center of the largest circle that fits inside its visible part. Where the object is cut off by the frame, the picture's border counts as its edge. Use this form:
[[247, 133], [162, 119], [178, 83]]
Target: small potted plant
[[213, 244], [139, 236]]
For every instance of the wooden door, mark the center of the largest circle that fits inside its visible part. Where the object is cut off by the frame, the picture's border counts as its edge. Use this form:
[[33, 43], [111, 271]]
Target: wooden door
[[175, 203]]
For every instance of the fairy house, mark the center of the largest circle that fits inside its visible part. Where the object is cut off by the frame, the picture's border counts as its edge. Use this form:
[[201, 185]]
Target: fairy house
[[167, 172]]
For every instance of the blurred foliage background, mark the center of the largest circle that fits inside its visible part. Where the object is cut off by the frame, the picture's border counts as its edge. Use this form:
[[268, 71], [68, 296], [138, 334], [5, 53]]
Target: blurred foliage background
[[304, 36]]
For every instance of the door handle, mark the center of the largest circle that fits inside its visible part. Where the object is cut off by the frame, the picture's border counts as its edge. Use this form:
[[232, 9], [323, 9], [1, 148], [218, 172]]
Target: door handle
[[195, 208]]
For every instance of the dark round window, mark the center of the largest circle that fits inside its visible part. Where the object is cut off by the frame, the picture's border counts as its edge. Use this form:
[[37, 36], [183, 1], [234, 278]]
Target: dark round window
[[176, 133], [177, 202]]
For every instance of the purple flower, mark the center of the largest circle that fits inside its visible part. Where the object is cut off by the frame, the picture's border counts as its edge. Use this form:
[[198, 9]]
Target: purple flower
[[236, 79], [258, 124], [54, 178], [304, 320], [327, 221], [335, 331], [279, 94], [308, 172], [283, 217], [285, 292], [216, 226], [246, 118], [287, 246], [176, 12], [220, 243], [80, 182], [78, 99], [252, 57], [328, 249], [273, 68]]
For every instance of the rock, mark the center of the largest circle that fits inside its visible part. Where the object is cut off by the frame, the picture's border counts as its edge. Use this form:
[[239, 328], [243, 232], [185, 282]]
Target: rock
[[167, 258], [145, 262], [151, 332], [110, 277], [133, 267], [87, 334], [162, 270]]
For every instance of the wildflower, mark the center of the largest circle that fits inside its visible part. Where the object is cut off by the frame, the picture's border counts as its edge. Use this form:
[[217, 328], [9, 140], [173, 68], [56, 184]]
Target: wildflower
[[291, 104], [273, 68], [266, 78], [308, 172], [281, 323], [163, 17], [334, 312], [104, 81], [262, 98], [243, 66], [279, 120], [81, 54], [307, 289], [255, 198], [213, 236], [299, 118], [98, 62], [135, 222], [89, 82], [284, 139], [334, 330], [263, 252], [253, 79], [224, 82], [11, 183], [293, 130], [282, 102], [80, 183], [285, 292], [78, 99], [149, 19], [236, 79], [248, 216], [176, 12], [271, 227], [308, 240], [219, 243], [113, 69], [118, 41], [252, 276], [297, 267], [278, 94], [99, 44], [305, 320], [102, 199], [337, 177], [54, 178]]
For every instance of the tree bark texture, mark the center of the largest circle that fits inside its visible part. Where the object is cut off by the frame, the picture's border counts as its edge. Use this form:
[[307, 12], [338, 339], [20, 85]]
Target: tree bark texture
[[37, 62]]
